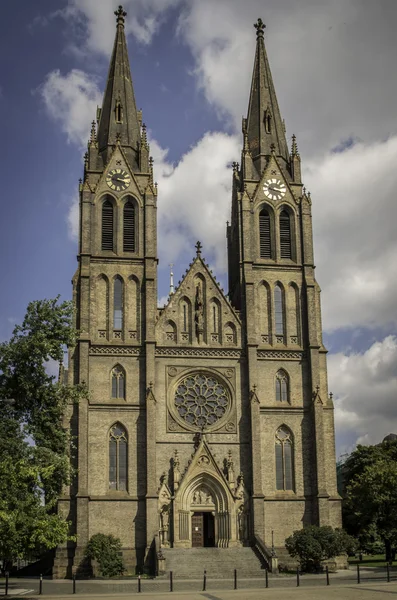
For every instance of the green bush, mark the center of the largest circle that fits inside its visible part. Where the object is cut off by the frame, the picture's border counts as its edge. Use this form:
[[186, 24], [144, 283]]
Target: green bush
[[315, 544], [106, 550]]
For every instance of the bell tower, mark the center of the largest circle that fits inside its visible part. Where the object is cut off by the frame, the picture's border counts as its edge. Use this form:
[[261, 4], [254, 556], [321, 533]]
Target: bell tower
[[272, 283], [115, 295]]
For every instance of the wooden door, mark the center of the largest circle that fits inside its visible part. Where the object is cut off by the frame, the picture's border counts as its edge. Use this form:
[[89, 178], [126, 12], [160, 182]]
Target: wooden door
[[197, 530]]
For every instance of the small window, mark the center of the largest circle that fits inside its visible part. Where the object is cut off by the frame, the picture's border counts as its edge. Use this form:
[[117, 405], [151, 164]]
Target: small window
[[129, 227], [285, 235], [284, 460], [265, 234], [118, 446], [279, 310], [118, 383], [282, 387], [118, 304], [119, 112], [107, 225]]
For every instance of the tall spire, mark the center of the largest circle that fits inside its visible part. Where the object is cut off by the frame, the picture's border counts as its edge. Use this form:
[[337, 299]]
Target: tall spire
[[119, 119], [264, 124]]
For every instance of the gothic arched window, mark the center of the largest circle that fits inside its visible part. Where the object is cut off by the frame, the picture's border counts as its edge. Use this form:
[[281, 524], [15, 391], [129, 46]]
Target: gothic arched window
[[118, 304], [265, 241], [118, 383], [279, 310], [285, 235], [284, 459], [118, 446], [129, 227], [107, 225], [282, 386]]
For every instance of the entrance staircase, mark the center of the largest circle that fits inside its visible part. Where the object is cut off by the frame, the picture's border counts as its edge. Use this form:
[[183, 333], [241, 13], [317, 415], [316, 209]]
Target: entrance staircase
[[219, 563]]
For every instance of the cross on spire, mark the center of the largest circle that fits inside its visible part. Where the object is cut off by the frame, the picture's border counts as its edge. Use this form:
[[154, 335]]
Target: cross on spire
[[260, 27], [198, 248], [120, 14]]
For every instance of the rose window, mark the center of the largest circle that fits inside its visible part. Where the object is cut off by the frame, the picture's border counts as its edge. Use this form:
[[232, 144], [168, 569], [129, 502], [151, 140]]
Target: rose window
[[201, 400]]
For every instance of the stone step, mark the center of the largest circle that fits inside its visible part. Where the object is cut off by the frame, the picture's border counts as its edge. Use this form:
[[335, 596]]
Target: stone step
[[219, 563]]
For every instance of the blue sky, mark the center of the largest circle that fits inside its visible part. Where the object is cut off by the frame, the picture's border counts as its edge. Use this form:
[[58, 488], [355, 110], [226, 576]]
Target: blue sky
[[336, 80]]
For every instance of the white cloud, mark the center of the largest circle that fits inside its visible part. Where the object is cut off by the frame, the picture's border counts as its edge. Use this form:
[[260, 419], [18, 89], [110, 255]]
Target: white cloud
[[330, 61], [354, 214], [94, 27], [71, 101], [365, 392], [73, 219], [194, 199]]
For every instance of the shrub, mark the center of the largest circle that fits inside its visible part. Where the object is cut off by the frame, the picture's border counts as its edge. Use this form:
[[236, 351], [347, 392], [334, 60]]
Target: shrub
[[315, 544], [106, 550]]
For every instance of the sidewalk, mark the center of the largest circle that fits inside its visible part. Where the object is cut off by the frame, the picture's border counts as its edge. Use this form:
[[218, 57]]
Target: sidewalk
[[370, 591]]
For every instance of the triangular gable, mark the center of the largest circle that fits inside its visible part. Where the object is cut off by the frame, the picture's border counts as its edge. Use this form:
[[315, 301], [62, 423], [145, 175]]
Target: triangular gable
[[118, 160], [169, 315], [203, 461], [272, 171]]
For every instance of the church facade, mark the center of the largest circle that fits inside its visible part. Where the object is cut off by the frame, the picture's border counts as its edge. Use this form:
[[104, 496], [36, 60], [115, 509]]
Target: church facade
[[208, 421]]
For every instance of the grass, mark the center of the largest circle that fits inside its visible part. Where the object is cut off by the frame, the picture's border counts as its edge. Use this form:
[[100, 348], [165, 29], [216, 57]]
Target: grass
[[374, 560]]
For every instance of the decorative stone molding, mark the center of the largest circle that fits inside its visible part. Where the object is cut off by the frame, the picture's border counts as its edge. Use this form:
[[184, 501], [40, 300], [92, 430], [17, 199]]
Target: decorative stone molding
[[281, 354], [202, 352], [115, 350]]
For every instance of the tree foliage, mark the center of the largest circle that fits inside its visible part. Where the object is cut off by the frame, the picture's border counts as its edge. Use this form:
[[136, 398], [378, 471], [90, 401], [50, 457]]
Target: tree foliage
[[106, 550], [314, 544], [34, 444], [370, 505]]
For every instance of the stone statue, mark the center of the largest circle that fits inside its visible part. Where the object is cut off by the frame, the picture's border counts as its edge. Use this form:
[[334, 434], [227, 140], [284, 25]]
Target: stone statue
[[199, 310]]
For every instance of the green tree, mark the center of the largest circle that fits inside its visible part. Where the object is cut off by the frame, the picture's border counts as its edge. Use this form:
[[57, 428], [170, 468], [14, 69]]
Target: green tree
[[369, 508], [106, 550], [371, 498], [33, 474], [314, 544]]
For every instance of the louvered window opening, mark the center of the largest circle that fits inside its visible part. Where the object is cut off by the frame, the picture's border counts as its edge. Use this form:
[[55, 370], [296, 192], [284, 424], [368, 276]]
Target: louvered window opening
[[118, 458], [107, 226], [118, 304], [129, 228], [284, 460], [264, 235], [279, 311], [285, 235]]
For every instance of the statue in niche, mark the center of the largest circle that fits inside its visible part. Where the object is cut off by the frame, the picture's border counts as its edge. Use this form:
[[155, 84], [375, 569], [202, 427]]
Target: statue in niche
[[199, 311], [242, 523], [164, 526], [230, 470]]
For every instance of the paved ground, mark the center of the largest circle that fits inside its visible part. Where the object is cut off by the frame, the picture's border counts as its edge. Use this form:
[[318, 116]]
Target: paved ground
[[370, 591], [343, 586]]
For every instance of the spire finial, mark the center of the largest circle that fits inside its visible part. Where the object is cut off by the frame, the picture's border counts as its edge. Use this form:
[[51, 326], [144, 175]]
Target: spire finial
[[198, 248], [171, 280], [260, 28], [120, 14], [294, 147], [93, 133]]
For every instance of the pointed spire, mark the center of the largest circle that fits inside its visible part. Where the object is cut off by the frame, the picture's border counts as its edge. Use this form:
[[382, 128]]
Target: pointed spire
[[119, 114], [264, 123]]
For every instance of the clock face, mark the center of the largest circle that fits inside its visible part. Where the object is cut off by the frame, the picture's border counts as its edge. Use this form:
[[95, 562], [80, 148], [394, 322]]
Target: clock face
[[118, 180], [274, 189]]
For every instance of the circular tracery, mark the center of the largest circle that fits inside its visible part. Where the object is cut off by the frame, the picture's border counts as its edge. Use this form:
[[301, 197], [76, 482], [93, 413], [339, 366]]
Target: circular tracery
[[201, 400]]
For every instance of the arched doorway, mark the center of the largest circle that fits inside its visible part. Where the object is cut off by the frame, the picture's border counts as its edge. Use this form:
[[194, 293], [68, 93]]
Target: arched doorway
[[204, 514]]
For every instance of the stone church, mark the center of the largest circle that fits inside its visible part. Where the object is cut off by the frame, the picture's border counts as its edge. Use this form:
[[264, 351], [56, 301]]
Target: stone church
[[208, 422]]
